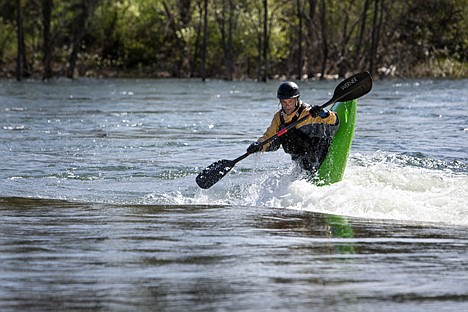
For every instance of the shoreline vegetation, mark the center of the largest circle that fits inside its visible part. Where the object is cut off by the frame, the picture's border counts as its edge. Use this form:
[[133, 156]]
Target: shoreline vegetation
[[233, 39], [448, 69]]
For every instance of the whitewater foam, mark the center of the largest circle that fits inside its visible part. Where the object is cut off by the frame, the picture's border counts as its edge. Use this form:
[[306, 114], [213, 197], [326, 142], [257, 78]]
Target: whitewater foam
[[379, 186], [386, 190]]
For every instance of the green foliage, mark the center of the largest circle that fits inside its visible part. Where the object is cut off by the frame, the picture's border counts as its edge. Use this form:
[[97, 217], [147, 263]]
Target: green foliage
[[7, 41], [434, 28], [164, 37]]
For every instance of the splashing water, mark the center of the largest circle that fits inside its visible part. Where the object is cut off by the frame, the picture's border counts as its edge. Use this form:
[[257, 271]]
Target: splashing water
[[380, 186]]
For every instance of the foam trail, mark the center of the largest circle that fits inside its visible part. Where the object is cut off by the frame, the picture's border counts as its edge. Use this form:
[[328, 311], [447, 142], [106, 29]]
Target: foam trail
[[379, 186], [383, 190]]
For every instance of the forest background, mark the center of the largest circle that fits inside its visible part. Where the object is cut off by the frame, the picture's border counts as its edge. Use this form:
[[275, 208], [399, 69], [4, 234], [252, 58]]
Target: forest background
[[233, 39]]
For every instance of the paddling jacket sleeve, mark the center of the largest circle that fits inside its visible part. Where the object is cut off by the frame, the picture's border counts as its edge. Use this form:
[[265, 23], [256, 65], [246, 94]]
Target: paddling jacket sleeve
[[315, 127]]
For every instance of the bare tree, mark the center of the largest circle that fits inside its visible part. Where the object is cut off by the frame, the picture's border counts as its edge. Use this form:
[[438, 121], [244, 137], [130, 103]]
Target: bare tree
[[228, 61], [229, 56], [225, 25], [362, 31], [348, 30], [205, 38], [198, 27], [299, 39], [265, 41], [179, 44], [323, 22], [85, 9], [376, 26], [22, 67], [259, 47], [47, 44], [310, 36]]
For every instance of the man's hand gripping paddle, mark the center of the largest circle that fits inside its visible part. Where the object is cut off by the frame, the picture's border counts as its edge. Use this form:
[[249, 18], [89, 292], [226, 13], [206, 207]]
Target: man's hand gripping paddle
[[349, 89]]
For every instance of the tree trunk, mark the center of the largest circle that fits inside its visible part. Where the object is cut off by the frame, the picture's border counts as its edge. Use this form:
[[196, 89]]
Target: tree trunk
[[80, 26], [310, 37], [343, 62], [373, 50], [222, 28], [324, 39], [259, 48], [360, 41], [194, 61], [299, 40], [205, 36], [22, 67], [77, 37], [225, 26], [47, 44], [265, 41], [177, 69], [229, 65]]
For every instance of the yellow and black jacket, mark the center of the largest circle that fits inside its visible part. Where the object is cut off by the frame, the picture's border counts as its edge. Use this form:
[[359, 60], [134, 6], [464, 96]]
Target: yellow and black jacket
[[308, 142]]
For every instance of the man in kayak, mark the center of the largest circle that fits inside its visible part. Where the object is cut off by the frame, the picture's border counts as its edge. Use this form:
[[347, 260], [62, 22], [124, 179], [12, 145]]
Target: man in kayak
[[309, 141]]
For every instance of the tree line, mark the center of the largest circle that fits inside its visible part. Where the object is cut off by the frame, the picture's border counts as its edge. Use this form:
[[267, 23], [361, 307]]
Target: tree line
[[233, 39]]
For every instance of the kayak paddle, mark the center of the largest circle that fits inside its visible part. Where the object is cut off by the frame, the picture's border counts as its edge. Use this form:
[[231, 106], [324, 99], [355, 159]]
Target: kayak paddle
[[349, 89]]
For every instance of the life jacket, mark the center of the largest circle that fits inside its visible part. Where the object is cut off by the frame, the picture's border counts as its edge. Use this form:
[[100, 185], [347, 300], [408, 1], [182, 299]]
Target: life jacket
[[307, 145]]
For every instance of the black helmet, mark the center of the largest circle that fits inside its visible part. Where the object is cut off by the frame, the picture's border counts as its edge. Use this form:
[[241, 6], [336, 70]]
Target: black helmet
[[288, 90]]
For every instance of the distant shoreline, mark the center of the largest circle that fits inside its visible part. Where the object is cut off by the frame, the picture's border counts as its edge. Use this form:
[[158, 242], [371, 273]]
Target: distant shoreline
[[447, 69]]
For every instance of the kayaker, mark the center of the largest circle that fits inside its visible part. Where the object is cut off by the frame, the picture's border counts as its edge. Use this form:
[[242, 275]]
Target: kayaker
[[309, 141]]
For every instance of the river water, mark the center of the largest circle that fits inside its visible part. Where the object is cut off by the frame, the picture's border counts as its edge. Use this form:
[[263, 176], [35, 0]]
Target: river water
[[100, 209]]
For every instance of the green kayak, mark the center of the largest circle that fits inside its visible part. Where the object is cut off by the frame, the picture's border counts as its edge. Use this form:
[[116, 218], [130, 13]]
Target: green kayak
[[332, 168]]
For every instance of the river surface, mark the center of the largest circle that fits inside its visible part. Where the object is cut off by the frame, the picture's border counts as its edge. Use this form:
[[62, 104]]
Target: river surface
[[100, 210]]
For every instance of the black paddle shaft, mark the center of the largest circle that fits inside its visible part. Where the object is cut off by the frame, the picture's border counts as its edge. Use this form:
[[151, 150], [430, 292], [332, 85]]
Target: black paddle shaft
[[349, 89]]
